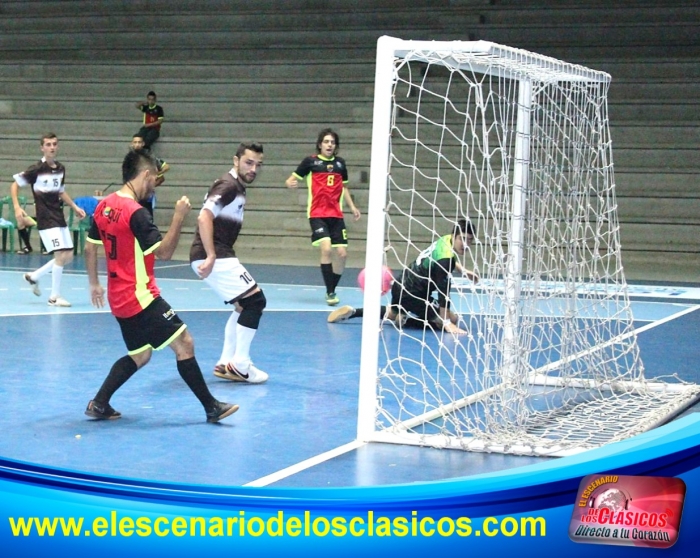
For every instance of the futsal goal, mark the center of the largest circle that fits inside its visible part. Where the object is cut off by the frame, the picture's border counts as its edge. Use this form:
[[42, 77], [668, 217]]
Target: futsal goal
[[519, 144]]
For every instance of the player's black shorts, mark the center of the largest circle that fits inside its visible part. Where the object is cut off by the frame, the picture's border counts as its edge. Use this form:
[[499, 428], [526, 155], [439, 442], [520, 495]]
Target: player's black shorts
[[328, 227], [155, 327], [425, 309]]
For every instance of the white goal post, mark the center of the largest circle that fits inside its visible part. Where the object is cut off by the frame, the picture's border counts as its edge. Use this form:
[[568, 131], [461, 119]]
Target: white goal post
[[519, 145]]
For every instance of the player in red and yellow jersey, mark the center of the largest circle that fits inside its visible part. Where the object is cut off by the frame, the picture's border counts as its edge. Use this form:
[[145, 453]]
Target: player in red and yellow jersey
[[132, 242], [326, 177]]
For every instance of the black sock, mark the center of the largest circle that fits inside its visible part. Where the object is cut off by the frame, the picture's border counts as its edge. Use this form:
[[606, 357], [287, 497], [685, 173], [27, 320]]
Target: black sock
[[360, 312], [191, 373], [336, 280], [24, 236], [121, 371], [327, 272]]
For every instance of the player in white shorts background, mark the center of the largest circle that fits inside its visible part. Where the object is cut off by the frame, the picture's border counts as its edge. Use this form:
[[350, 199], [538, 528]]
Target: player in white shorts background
[[46, 179], [213, 259]]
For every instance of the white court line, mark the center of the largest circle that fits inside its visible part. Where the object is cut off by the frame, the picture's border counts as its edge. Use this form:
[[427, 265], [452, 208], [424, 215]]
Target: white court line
[[192, 279], [172, 266], [56, 311], [14, 269], [667, 319], [306, 464], [323, 457], [50, 311], [220, 309]]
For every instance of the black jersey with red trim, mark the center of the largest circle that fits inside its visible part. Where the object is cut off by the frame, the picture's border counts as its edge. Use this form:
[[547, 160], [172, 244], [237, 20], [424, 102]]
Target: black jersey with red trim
[[226, 201], [47, 184], [152, 113], [130, 239], [325, 179]]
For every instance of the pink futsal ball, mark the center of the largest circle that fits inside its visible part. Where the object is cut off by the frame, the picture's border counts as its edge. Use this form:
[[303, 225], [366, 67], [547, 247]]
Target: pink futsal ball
[[387, 279]]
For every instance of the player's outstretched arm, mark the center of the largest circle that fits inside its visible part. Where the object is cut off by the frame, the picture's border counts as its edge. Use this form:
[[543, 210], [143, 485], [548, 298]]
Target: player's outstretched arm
[[205, 223], [97, 293], [449, 321], [14, 194], [169, 243], [472, 275], [291, 182], [67, 200], [351, 204]]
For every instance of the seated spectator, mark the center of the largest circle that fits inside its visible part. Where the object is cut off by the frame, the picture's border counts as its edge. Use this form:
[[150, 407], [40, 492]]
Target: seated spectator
[[152, 119]]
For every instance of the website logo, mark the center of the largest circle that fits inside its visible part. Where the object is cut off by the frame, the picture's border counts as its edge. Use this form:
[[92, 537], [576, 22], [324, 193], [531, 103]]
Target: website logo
[[628, 511]]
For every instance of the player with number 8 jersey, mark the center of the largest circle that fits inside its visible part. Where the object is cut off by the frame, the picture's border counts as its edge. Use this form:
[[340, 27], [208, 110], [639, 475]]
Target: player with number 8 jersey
[[326, 177]]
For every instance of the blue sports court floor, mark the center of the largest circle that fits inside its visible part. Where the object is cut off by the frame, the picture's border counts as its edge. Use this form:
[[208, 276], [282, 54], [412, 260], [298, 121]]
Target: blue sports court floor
[[296, 430]]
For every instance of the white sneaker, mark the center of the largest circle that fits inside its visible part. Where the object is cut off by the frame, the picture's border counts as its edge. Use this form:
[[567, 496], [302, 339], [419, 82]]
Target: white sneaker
[[59, 301], [247, 373], [33, 284], [341, 314]]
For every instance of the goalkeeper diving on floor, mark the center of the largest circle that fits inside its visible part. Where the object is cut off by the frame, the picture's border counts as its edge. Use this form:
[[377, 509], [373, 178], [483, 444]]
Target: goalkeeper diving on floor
[[422, 295]]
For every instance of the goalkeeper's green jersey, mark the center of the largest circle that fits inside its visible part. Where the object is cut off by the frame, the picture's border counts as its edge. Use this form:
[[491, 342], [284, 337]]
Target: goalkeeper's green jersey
[[431, 271]]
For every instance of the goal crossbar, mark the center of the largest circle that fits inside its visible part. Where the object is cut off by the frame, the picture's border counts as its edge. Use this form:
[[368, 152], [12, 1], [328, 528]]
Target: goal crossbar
[[493, 59]]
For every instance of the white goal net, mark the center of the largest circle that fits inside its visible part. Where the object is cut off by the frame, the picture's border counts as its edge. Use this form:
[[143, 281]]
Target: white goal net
[[519, 145]]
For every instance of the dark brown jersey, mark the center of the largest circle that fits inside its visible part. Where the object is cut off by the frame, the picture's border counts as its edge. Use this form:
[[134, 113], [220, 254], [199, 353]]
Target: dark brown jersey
[[226, 200], [47, 184]]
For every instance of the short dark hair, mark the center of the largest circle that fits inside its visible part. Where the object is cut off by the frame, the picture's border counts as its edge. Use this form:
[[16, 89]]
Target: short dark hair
[[252, 146], [463, 227], [327, 132], [137, 136], [50, 135], [151, 94], [135, 162]]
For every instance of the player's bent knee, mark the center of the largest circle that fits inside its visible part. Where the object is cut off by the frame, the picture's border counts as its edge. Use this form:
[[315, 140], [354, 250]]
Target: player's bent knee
[[252, 309], [141, 359], [64, 257], [183, 345]]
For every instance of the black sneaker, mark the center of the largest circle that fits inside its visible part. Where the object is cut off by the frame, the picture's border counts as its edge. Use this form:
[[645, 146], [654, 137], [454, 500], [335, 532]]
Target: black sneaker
[[102, 411], [220, 411]]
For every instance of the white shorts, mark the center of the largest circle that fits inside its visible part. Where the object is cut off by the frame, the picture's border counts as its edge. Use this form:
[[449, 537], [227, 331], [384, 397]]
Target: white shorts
[[58, 238], [228, 278]]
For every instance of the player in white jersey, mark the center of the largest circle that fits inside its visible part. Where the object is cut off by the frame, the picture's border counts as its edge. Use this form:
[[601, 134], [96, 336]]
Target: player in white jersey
[[213, 258], [46, 179]]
